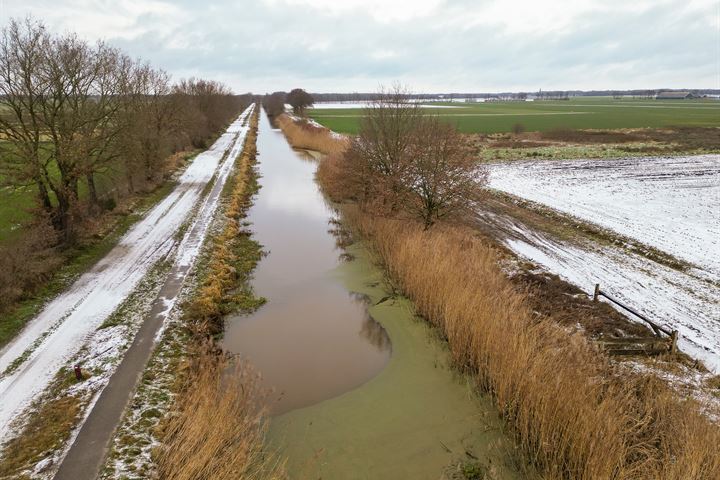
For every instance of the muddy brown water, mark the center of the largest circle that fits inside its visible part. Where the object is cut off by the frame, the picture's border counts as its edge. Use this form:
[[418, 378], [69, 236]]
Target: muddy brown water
[[364, 389], [313, 340]]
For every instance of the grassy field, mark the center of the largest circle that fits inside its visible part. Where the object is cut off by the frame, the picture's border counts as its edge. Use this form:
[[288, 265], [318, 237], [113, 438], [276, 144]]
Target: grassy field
[[17, 203], [79, 259], [576, 113]]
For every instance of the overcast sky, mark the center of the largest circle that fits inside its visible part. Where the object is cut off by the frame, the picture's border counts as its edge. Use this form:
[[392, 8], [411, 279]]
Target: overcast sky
[[430, 45]]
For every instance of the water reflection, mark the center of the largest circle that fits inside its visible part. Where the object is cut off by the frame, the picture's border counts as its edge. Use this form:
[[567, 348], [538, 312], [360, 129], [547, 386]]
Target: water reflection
[[311, 341], [371, 330]]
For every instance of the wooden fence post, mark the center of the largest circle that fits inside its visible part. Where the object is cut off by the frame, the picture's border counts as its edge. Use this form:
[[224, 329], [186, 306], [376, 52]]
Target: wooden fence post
[[597, 292], [673, 341]]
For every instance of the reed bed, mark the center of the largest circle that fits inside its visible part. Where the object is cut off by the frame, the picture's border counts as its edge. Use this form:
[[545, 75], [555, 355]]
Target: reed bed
[[574, 414], [218, 431], [310, 136]]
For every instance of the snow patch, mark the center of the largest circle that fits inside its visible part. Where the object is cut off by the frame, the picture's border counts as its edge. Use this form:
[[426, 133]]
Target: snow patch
[[53, 338]]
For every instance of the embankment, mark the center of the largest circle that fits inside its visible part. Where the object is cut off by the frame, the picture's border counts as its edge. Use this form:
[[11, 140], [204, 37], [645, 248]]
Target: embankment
[[572, 412], [207, 407]]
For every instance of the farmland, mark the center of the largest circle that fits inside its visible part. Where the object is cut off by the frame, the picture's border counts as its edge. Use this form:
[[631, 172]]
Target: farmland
[[385, 240], [576, 113], [666, 203]]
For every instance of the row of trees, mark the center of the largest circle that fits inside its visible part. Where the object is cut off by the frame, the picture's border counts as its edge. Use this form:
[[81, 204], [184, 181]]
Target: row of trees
[[71, 111], [298, 99], [405, 161]]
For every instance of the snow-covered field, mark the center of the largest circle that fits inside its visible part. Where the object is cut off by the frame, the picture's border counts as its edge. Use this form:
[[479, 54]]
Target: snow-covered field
[[672, 204], [57, 334]]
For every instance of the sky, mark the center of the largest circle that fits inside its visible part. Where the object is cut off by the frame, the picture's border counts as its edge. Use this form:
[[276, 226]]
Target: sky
[[431, 46]]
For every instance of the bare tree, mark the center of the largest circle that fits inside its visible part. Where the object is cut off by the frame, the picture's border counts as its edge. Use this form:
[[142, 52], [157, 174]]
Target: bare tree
[[22, 90], [385, 143], [444, 177], [404, 162], [207, 107], [274, 104], [71, 115], [152, 124], [299, 99], [71, 112]]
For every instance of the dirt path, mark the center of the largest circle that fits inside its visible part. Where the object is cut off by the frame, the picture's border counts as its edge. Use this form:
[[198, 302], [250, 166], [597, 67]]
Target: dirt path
[[85, 457]]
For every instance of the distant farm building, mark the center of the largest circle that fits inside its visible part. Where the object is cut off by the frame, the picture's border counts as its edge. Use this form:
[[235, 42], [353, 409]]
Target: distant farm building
[[675, 95]]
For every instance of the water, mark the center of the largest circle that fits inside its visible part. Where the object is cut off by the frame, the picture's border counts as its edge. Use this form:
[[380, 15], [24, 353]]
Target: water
[[313, 340]]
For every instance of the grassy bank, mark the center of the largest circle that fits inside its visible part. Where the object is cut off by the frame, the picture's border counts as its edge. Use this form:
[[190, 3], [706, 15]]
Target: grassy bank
[[574, 414], [190, 417]]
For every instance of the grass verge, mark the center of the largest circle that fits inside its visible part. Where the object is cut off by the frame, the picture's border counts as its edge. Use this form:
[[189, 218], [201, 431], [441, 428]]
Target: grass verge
[[191, 417], [78, 260]]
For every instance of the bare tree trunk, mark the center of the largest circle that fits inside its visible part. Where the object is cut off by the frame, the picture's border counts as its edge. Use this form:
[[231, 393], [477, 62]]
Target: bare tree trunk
[[92, 189], [129, 179], [44, 197], [62, 219]]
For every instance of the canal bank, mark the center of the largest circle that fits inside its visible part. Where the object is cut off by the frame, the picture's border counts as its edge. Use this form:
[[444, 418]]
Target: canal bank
[[363, 389]]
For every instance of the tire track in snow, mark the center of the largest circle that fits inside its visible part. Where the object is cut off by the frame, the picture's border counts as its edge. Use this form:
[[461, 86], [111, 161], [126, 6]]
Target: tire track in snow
[[52, 338]]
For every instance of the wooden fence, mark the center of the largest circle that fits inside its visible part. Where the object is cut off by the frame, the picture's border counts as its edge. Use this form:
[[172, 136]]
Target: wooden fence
[[658, 344]]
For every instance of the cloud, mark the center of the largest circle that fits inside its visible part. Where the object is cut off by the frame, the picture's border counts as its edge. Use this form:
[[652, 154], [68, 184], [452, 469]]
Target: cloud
[[431, 45]]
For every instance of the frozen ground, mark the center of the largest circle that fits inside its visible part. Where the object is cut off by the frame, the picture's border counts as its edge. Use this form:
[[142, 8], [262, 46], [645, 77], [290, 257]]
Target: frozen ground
[[56, 335], [671, 204]]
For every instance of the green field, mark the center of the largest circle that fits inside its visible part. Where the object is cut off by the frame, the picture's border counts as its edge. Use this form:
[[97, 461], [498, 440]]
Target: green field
[[18, 203], [576, 113]]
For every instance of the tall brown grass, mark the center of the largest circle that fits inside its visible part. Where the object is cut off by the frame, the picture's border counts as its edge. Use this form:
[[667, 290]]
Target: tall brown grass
[[233, 256], [218, 430], [303, 134], [573, 413]]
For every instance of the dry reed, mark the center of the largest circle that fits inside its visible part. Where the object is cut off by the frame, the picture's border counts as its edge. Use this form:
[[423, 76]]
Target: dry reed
[[310, 136], [218, 431], [573, 414]]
